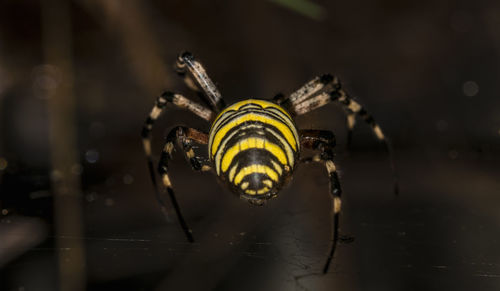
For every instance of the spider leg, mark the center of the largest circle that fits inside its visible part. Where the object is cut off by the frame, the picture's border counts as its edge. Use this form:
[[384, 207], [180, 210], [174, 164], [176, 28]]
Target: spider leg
[[337, 94], [184, 137], [308, 90], [324, 141], [161, 102], [166, 155], [159, 107], [351, 121], [311, 89], [198, 79]]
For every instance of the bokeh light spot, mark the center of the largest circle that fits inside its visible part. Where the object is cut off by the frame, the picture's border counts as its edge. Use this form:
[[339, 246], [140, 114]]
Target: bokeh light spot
[[3, 164], [92, 156], [470, 88], [128, 179]]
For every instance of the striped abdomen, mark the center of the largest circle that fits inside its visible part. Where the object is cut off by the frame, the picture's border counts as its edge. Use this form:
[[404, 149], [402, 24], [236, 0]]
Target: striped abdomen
[[254, 145]]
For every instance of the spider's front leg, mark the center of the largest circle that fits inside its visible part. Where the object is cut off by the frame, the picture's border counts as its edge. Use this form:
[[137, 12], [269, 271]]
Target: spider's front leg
[[196, 78], [161, 102], [160, 105], [324, 142], [184, 137]]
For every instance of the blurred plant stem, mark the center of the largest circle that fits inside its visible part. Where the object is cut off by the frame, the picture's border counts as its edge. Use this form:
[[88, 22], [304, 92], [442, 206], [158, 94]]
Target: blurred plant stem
[[304, 7], [129, 21], [66, 187]]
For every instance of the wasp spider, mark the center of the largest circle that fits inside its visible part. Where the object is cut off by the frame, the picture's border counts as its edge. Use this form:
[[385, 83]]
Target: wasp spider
[[253, 145]]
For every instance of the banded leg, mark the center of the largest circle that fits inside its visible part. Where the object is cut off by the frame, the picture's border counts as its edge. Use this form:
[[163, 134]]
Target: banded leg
[[350, 121], [352, 108], [159, 107], [308, 90], [324, 141], [184, 137], [201, 80]]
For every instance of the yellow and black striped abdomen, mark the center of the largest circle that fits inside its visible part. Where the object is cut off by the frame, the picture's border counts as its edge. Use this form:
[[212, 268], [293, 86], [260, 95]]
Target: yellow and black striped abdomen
[[254, 145]]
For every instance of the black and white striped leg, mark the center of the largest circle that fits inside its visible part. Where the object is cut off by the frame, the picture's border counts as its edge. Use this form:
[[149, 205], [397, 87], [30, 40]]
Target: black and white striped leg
[[185, 137], [316, 140], [308, 90], [352, 108], [350, 121], [196, 78], [161, 102], [324, 142], [336, 192], [159, 107]]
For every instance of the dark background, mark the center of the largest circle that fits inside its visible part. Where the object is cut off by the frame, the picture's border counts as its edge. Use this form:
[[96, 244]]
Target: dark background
[[427, 71]]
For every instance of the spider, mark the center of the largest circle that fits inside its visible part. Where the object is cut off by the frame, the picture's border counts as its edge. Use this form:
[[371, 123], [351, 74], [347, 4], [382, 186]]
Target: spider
[[253, 145]]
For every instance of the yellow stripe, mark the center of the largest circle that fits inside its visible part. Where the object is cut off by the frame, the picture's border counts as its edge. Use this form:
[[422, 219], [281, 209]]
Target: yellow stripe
[[229, 111], [252, 143], [288, 121], [277, 167], [263, 190], [260, 169], [232, 172], [288, 149], [268, 183], [262, 103], [283, 128], [218, 157], [225, 114]]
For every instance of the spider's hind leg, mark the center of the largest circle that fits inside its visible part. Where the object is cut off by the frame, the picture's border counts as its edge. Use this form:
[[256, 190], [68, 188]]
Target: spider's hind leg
[[324, 142], [351, 121], [184, 137], [314, 95], [353, 108]]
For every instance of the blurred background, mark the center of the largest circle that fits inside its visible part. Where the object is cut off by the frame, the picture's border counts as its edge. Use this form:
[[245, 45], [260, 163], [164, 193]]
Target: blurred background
[[78, 79]]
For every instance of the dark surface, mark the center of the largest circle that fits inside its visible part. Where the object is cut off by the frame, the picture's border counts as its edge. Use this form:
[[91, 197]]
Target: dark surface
[[427, 71]]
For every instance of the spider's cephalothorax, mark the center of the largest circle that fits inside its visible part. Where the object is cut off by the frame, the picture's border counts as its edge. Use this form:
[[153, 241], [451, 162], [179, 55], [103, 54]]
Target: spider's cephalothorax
[[253, 145]]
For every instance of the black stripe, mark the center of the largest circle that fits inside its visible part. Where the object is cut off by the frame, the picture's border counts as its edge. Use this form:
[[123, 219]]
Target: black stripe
[[248, 156], [238, 113], [325, 79], [146, 129], [242, 107], [165, 96], [261, 176], [232, 130], [277, 111], [231, 113], [334, 95], [251, 132]]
